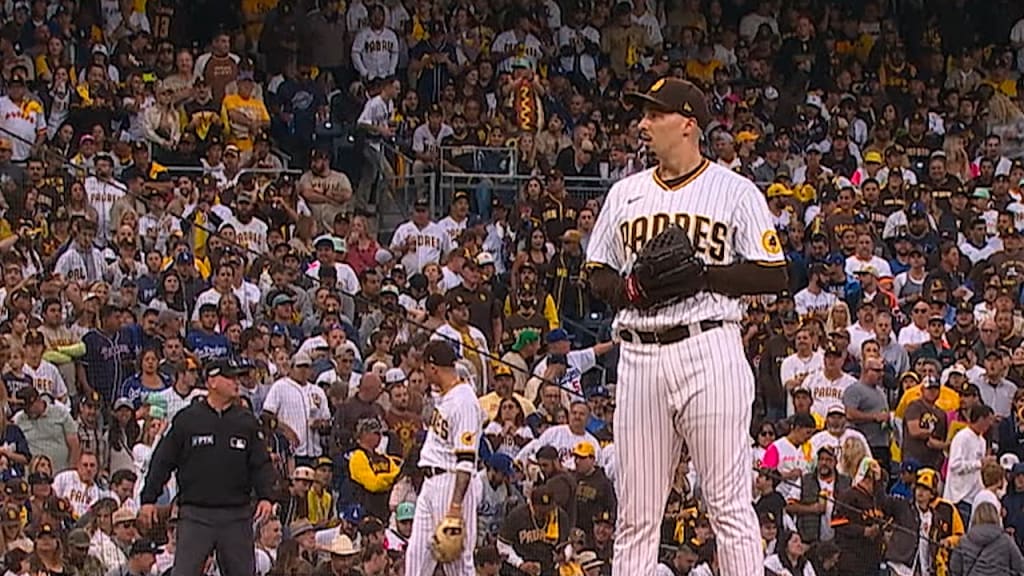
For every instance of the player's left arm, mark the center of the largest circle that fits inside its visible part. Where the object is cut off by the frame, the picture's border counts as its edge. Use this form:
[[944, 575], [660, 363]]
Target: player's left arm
[[466, 424], [761, 266]]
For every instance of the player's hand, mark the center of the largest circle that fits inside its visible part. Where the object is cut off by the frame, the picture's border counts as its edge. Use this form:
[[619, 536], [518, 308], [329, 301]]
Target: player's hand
[[454, 510], [882, 417], [264, 509], [531, 568], [872, 531], [147, 515]]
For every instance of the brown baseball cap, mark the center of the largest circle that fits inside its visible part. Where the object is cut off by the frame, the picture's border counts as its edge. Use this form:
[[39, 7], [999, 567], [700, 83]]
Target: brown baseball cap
[[678, 96]]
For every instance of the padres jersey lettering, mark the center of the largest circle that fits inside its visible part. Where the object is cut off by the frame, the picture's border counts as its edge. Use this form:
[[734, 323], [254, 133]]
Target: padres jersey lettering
[[709, 238], [438, 425], [725, 216]]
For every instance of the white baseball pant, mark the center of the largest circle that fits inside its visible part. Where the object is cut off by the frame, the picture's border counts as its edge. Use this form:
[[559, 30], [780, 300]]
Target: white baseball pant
[[431, 507], [699, 389]]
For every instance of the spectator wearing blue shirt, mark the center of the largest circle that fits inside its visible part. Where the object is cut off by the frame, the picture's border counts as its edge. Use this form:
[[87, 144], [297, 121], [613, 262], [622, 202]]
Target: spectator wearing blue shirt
[[202, 340], [13, 448], [904, 486], [108, 355], [147, 380]]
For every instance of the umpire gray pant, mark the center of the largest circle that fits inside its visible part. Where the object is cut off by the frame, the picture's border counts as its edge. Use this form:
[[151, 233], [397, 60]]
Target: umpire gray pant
[[203, 530]]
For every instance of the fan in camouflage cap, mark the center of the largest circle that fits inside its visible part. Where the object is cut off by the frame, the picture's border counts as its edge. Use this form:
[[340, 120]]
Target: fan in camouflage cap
[[78, 554]]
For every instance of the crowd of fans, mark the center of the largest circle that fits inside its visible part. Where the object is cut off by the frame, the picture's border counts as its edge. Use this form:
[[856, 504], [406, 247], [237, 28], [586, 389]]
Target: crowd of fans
[[191, 180]]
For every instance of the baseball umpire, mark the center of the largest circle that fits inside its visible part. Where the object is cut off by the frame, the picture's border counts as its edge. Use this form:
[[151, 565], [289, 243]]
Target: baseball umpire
[[216, 449], [674, 249]]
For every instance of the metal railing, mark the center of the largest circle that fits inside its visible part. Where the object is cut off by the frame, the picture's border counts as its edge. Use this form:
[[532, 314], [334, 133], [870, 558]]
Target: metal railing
[[177, 170]]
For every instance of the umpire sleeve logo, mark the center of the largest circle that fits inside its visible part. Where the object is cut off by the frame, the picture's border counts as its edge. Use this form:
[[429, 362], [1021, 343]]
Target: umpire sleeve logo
[[770, 242], [238, 443]]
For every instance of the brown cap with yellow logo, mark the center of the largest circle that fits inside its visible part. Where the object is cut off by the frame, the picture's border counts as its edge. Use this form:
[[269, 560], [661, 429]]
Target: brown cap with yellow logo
[[678, 96]]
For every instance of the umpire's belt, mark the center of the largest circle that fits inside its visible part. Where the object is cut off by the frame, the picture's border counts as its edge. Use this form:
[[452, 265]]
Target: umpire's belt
[[671, 335], [430, 471]]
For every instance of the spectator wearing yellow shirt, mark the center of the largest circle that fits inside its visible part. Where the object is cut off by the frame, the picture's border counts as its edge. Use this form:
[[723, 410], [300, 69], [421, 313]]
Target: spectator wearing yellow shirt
[[254, 12], [242, 114], [372, 473], [702, 68], [320, 502], [503, 388]]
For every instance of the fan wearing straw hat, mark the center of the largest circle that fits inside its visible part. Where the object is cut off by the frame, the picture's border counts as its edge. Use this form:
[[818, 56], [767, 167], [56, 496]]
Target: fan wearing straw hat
[[344, 556]]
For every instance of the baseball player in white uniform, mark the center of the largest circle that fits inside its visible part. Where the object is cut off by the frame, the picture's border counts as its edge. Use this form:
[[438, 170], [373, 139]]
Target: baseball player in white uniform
[[682, 369], [448, 459]]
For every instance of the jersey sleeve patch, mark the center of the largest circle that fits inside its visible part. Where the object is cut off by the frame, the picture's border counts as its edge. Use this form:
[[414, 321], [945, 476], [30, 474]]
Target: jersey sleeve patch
[[467, 439], [770, 242]]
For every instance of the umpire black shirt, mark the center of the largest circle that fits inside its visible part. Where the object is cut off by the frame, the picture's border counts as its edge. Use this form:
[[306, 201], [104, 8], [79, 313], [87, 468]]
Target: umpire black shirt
[[220, 458]]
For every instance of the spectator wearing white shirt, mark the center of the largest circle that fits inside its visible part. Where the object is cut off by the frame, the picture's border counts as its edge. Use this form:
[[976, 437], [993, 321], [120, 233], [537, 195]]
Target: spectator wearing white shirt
[[814, 299], [864, 259], [78, 486], [786, 456], [992, 150], [426, 146], [375, 120], [913, 335], [752, 22], [798, 366], [578, 43], [863, 329], [1017, 43], [182, 391], [375, 49], [565, 437], [516, 43], [993, 478], [420, 241], [968, 453], [828, 384], [978, 246], [647, 21], [301, 409], [996, 391], [81, 262], [329, 251]]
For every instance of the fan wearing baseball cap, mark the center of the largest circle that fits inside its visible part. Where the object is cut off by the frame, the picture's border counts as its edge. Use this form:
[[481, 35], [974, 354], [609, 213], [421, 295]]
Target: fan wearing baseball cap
[[468, 341], [576, 362], [502, 388]]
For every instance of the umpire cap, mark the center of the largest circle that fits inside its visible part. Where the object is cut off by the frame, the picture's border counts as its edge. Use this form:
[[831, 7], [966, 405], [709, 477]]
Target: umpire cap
[[678, 96]]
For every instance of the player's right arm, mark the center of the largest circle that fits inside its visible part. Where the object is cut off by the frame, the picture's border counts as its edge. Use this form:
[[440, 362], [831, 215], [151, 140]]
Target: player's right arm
[[606, 254]]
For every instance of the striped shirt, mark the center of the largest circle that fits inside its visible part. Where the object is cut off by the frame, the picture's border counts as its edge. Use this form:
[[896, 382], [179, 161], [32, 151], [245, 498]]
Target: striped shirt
[[725, 216]]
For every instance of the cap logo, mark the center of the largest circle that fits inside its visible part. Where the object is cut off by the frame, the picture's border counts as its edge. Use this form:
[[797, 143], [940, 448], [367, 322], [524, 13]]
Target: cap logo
[[658, 85], [687, 107]]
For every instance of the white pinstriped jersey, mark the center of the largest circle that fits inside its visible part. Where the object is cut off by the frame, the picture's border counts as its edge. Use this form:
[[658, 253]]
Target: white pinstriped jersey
[[453, 432], [725, 216]]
